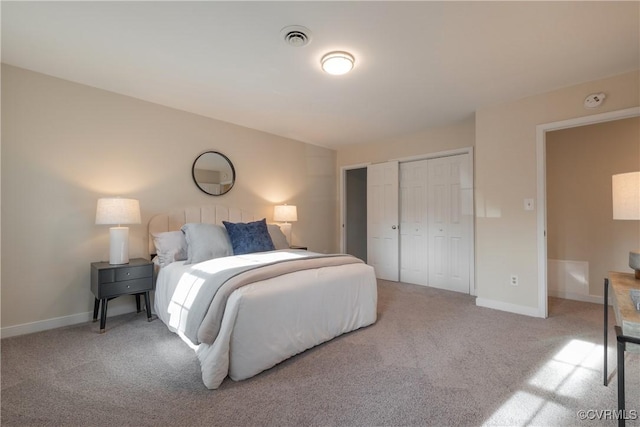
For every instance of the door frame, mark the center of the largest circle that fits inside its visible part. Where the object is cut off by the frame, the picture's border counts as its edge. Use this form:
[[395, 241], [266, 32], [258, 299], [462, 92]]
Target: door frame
[[426, 156], [541, 162]]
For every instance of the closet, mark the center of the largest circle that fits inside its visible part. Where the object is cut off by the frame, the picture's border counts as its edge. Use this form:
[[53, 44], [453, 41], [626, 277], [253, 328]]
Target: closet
[[420, 221]]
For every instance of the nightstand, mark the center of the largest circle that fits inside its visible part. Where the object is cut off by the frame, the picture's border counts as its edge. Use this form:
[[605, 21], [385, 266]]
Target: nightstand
[[304, 248], [111, 281]]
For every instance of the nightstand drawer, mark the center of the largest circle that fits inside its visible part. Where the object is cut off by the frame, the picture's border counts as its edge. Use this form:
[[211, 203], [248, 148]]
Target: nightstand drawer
[[125, 287], [130, 273], [106, 276]]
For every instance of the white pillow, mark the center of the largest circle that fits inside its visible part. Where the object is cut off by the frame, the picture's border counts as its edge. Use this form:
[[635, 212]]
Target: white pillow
[[170, 246], [277, 236], [206, 241]]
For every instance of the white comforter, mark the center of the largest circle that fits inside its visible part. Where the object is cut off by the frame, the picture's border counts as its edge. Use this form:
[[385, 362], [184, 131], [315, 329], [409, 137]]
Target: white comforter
[[267, 322]]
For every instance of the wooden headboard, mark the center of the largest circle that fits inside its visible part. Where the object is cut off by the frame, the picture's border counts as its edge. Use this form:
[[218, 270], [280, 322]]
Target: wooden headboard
[[210, 214]]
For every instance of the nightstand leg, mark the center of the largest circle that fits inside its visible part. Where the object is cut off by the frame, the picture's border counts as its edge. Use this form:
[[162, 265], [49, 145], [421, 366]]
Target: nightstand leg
[[103, 316], [138, 302], [147, 304], [96, 306]]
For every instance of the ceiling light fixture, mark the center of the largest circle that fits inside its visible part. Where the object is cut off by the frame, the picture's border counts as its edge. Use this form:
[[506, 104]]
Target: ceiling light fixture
[[337, 63]]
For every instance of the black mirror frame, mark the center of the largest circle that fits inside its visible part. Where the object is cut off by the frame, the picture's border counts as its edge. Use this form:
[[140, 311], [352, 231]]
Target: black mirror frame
[[233, 173]]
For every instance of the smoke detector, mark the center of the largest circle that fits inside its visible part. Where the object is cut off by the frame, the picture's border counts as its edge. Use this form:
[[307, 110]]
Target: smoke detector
[[594, 100], [296, 35]]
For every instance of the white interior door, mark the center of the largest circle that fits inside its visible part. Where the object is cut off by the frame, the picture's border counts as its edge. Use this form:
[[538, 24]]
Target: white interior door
[[413, 222], [382, 219], [450, 216]]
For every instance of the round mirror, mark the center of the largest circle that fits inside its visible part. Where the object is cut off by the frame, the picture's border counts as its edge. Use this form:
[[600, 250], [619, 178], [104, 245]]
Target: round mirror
[[213, 173]]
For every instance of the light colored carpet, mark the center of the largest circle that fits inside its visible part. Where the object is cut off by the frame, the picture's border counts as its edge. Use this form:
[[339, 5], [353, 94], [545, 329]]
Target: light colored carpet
[[433, 358]]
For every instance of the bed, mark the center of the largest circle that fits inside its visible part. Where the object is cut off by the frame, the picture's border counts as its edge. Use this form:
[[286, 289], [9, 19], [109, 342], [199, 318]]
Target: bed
[[243, 314]]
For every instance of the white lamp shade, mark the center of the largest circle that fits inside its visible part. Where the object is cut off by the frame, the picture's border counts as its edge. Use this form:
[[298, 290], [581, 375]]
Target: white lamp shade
[[118, 211], [285, 213], [626, 195]]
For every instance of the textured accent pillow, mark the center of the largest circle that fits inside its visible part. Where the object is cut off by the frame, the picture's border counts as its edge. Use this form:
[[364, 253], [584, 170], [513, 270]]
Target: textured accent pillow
[[206, 241], [277, 236], [170, 246], [249, 237]]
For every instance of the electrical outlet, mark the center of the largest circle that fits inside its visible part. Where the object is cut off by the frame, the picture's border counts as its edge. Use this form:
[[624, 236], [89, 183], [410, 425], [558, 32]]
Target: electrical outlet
[[513, 281]]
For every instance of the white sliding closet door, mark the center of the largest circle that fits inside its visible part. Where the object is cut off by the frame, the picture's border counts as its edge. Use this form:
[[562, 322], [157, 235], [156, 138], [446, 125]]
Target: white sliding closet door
[[382, 219], [413, 222], [450, 215]]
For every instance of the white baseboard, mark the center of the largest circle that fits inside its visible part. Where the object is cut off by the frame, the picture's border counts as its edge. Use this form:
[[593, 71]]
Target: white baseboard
[[577, 297], [511, 308], [58, 322]]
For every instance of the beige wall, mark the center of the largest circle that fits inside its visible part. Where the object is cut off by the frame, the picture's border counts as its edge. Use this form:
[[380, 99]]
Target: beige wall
[[505, 156], [580, 163], [64, 145], [459, 135]]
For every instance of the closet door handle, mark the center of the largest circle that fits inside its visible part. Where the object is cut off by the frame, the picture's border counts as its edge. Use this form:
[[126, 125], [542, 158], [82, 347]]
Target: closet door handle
[[393, 227]]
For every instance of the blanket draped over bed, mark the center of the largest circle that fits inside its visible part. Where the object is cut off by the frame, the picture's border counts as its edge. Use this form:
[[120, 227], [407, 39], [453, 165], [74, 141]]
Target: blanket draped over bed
[[212, 291], [250, 319]]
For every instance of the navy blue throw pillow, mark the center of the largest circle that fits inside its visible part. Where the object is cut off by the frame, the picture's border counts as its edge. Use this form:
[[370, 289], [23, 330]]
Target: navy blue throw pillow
[[249, 237]]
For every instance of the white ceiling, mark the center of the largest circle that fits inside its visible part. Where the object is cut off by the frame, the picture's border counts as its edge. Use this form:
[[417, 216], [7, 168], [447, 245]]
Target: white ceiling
[[418, 64]]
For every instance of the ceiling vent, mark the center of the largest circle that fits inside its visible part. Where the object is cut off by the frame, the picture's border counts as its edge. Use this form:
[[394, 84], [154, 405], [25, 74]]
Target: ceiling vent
[[296, 36]]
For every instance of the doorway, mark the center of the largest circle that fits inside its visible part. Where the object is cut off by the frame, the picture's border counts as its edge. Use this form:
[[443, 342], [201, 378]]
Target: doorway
[[541, 137], [355, 224], [584, 243]]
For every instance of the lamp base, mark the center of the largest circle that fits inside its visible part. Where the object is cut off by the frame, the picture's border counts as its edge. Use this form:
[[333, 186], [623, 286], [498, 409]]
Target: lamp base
[[119, 245]]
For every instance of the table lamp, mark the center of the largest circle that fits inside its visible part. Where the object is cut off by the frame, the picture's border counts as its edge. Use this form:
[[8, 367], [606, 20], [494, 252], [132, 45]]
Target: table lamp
[[626, 205], [285, 213], [117, 211]]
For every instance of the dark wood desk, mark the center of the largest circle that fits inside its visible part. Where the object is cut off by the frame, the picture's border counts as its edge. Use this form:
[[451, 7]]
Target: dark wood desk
[[627, 326]]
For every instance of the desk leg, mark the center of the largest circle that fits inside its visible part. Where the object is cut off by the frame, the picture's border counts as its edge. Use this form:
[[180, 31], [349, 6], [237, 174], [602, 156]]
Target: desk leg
[[138, 303], [103, 315], [147, 304], [606, 324], [621, 349]]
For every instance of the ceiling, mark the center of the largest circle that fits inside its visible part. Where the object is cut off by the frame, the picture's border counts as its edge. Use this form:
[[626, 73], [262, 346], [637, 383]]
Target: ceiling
[[418, 64]]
